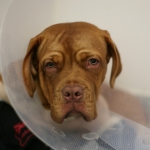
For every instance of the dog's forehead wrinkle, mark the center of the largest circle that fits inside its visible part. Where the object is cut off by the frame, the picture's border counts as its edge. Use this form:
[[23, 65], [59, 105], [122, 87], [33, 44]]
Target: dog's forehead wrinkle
[[41, 49], [60, 36]]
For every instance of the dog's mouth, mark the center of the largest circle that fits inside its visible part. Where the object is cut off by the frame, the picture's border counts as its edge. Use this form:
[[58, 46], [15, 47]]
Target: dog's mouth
[[75, 110], [77, 114]]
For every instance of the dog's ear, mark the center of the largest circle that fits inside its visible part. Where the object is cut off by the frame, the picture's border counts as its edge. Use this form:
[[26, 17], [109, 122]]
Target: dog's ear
[[30, 65], [116, 60]]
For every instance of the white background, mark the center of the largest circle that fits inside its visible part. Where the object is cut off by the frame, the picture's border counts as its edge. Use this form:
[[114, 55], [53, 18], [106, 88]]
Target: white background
[[128, 23]]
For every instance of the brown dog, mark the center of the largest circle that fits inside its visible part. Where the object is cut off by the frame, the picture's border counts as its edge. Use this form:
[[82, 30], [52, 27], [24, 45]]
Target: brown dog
[[67, 64]]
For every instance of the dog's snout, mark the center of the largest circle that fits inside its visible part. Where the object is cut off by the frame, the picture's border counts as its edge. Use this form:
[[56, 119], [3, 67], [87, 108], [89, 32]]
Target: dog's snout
[[72, 93]]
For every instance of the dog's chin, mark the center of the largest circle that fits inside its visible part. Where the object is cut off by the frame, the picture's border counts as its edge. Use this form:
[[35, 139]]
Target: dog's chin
[[75, 115]]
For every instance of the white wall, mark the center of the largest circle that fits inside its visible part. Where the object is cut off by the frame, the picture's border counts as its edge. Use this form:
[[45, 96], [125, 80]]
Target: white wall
[[128, 23]]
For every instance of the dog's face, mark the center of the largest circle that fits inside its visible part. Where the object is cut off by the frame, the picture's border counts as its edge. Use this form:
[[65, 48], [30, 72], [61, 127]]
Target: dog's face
[[67, 64]]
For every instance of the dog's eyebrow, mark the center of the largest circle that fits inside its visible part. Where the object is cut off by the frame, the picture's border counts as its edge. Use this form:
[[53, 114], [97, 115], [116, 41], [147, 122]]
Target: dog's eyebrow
[[52, 54], [87, 53]]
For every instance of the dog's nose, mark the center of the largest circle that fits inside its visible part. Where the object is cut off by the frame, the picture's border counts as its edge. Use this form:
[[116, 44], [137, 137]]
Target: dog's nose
[[72, 93]]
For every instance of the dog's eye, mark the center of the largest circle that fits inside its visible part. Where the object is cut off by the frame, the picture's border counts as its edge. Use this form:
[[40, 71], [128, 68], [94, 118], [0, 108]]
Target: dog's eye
[[93, 61], [49, 65]]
